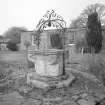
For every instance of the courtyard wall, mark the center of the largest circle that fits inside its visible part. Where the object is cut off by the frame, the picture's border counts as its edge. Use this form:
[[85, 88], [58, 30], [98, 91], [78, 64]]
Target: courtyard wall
[[71, 36]]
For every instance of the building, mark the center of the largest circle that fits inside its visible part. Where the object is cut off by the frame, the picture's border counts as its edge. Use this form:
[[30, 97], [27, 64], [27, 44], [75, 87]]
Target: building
[[3, 43]]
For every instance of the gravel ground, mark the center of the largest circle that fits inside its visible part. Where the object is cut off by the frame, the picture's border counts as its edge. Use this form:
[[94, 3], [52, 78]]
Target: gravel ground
[[81, 92]]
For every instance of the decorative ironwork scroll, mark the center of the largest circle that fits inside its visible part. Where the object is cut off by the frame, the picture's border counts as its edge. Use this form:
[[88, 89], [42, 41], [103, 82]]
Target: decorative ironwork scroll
[[51, 19]]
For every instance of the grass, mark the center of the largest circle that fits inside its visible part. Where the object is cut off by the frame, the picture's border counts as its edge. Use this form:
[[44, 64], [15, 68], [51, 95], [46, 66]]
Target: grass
[[93, 64]]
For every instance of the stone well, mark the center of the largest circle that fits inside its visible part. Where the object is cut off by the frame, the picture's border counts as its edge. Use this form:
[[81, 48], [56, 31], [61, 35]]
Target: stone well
[[48, 63], [48, 69], [48, 55]]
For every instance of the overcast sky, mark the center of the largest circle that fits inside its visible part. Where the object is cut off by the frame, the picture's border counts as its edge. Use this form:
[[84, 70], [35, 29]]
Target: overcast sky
[[27, 13]]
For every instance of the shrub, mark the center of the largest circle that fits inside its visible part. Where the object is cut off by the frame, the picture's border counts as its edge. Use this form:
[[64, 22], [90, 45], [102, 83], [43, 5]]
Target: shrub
[[94, 64], [80, 44], [56, 41], [12, 46]]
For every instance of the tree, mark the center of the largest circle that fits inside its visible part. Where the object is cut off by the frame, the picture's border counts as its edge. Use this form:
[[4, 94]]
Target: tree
[[82, 19], [79, 22], [14, 34], [94, 32]]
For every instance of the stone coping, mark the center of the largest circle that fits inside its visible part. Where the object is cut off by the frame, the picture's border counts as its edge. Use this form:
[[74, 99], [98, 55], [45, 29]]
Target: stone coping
[[46, 52], [42, 84], [34, 75]]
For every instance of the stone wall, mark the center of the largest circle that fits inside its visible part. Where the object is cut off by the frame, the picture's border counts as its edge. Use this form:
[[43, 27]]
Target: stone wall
[[25, 36], [71, 36]]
